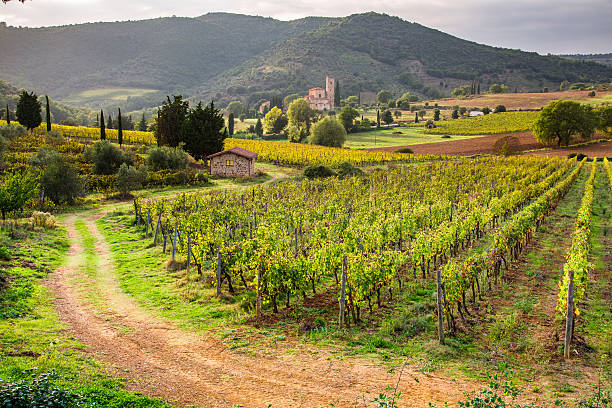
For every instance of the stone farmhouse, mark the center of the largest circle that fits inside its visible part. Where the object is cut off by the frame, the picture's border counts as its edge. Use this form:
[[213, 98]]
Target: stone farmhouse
[[322, 99], [234, 162]]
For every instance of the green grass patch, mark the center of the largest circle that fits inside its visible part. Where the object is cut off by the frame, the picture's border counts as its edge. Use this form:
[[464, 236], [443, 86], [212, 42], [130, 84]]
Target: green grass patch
[[396, 136]]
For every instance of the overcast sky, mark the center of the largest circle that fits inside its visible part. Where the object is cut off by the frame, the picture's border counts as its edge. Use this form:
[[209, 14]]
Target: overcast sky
[[545, 26]]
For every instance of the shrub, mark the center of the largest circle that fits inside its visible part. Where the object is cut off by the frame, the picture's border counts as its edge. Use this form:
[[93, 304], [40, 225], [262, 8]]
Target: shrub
[[40, 391], [328, 132], [44, 156], [3, 147], [167, 158], [106, 157], [346, 169], [591, 94], [312, 172], [61, 181], [12, 131], [5, 254], [54, 138], [129, 178], [43, 220], [404, 150], [507, 145], [500, 108]]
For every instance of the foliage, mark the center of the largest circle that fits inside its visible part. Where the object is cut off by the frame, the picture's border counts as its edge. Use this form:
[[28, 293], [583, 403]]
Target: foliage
[[16, 189], [605, 119], [498, 88], [169, 121], [296, 134], [327, 132], [119, 128], [28, 110], [274, 121], [230, 124], [38, 391], [387, 117], [346, 169], [561, 120], [43, 220], [287, 100], [507, 145], [347, 117], [258, 127], [500, 109], [300, 114], [318, 171], [167, 158], [203, 131], [383, 97], [237, 108], [12, 131], [48, 113], [61, 182], [436, 114], [129, 178], [106, 157]]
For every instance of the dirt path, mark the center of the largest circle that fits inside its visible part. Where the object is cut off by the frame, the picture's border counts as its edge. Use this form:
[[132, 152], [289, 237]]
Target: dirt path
[[163, 361]]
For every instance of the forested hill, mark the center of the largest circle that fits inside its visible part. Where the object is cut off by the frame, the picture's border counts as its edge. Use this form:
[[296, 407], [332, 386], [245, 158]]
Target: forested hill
[[228, 56], [601, 58]]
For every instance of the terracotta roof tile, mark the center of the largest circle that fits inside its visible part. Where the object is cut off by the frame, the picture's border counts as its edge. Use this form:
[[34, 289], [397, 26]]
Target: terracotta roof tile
[[236, 150]]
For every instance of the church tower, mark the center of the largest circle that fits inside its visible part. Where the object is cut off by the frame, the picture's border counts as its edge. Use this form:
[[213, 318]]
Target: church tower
[[330, 89]]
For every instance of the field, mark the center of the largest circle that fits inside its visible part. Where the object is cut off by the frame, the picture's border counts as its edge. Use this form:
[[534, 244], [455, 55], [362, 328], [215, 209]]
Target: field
[[515, 101], [106, 95]]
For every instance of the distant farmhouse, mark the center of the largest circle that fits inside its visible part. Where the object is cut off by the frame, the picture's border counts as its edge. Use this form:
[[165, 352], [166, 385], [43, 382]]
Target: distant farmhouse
[[234, 162], [322, 99]]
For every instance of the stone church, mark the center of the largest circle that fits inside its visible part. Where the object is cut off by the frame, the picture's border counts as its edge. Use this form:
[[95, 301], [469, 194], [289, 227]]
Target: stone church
[[322, 99]]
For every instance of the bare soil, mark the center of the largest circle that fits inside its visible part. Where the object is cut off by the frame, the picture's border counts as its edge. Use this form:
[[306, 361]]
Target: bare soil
[[160, 360]]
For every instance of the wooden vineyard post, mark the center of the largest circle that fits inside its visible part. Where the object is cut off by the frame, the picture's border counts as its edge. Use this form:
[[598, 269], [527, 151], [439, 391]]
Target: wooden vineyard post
[[157, 229], [148, 222], [219, 274], [258, 300], [342, 293], [569, 322], [188, 253], [440, 308], [174, 242]]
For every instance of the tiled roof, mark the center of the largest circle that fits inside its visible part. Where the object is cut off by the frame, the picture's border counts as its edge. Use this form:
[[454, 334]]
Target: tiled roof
[[236, 150]]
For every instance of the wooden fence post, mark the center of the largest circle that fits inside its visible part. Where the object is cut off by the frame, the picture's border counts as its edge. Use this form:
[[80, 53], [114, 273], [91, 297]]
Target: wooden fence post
[[440, 307], [569, 322], [341, 321], [219, 274], [174, 242], [157, 229], [258, 300]]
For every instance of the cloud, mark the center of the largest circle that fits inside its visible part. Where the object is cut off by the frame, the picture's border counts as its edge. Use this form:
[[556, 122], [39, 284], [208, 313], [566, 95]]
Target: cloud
[[555, 26]]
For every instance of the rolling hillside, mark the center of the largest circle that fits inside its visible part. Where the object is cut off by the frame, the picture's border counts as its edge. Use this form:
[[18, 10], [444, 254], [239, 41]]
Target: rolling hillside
[[228, 56]]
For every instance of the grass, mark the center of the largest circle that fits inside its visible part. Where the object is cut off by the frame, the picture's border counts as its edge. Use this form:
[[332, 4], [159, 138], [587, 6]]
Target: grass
[[35, 339], [108, 94], [410, 135]]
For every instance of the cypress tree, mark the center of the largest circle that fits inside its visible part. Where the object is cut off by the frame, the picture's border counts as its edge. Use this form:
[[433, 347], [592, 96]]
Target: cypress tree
[[119, 129], [102, 127], [258, 127], [378, 118], [337, 94], [478, 90], [109, 122], [230, 123], [142, 126], [48, 114], [203, 131], [28, 110], [8, 115], [416, 117]]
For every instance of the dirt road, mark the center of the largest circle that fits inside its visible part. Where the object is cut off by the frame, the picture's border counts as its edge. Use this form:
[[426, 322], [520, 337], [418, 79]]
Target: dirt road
[[160, 360]]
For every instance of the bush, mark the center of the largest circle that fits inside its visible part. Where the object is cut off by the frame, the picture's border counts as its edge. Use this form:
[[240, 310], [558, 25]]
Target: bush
[[106, 157], [167, 158], [500, 108], [404, 150], [40, 391], [44, 156], [3, 147], [43, 220], [312, 172], [591, 94], [5, 254], [54, 138], [61, 182], [507, 145], [346, 169], [12, 131], [327, 132], [129, 178]]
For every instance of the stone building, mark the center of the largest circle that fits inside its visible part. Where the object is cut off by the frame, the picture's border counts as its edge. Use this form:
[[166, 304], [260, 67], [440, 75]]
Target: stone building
[[234, 162], [322, 99]]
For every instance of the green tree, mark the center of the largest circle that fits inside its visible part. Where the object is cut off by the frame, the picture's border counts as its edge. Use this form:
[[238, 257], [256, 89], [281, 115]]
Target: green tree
[[203, 131], [259, 127], [352, 101], [102, 126], [437, 114], [142, 125], [276, 100], [561, 120], [61, 182], [8, 115], [129, 178], [605, 119], [109, 122], [15, 190], [169, 121], [300, 114], [498, 88], [416, 117], [230, 123], [119, 129], [274, 121], [455, 114], [347, 117], [236, 107], [48, 114], [106, 157], [387, 117], [328, 132], [500, 109], [384, 97], [28, 110], [290, 98], [377, 118], [337, 94]]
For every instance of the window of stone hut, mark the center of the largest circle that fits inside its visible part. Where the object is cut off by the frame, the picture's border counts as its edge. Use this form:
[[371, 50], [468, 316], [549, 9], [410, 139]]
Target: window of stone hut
[[229, 162]]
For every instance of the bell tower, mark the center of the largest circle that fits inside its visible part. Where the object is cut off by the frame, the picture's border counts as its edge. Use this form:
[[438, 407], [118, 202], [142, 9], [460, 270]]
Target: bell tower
[[330, 89]]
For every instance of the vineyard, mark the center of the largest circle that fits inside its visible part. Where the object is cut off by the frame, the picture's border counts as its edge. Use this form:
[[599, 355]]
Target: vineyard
[[363, 239], [505, 122]]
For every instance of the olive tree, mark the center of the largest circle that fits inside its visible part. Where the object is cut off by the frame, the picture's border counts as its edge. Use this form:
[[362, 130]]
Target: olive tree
[[328, 132], [561, 120]]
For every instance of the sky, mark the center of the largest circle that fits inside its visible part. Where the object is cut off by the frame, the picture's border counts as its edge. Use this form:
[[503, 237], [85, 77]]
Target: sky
[[544, 26]]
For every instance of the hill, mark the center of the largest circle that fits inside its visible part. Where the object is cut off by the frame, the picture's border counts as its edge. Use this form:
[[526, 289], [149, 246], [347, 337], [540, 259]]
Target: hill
[[601, 58], [228, 56]]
